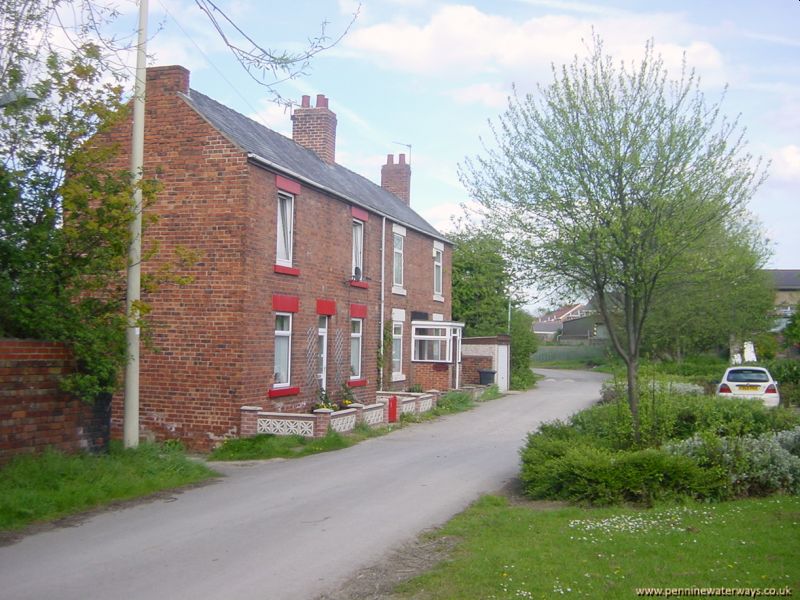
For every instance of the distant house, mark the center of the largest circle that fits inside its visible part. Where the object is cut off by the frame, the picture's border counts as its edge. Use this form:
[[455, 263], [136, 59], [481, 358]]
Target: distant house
[[787, 290], [549, 326], [589, 329]]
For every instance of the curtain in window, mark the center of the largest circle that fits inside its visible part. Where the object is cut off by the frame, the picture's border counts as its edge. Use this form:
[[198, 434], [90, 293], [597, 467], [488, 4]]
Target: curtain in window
[[358, 246], [398, 259], [284, 229]]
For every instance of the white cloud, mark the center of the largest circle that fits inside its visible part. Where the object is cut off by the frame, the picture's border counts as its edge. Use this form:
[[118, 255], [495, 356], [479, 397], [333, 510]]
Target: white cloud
[[461, 40], [442, 216], [274, 116], [488, 94], [786, 163]]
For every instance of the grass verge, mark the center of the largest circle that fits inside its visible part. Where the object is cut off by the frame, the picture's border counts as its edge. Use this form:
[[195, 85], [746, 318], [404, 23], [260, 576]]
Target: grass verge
[[517, 552], [51, 485], [266, 446]]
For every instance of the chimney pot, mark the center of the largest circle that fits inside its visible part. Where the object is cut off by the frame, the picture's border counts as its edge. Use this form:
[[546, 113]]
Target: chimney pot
[[315, 128], [396, 178]]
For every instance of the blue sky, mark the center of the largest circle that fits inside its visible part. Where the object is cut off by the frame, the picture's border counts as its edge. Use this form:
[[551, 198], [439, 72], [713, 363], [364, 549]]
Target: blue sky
[[431, 74]]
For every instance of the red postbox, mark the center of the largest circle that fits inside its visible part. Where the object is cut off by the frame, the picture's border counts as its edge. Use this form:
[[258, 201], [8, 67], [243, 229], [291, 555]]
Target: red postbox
[[392, 409]]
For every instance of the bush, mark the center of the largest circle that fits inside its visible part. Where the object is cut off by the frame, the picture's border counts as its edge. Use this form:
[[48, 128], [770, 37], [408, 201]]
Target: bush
[[598, 476], [755, 465], [785, 371], [729, 448]]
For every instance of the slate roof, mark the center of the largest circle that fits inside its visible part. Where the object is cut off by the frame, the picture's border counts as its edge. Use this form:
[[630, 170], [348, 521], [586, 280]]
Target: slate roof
[[785, 279], [278, 151]]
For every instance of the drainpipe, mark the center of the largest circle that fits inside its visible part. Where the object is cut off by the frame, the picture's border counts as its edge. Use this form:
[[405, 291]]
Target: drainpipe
[[383, 298]]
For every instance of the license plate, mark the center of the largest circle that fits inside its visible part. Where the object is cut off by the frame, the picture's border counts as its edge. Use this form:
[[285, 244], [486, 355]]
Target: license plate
[[749, 388]]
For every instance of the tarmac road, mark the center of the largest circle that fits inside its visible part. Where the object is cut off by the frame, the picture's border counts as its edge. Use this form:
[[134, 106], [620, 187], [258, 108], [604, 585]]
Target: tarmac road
[[291, 529]]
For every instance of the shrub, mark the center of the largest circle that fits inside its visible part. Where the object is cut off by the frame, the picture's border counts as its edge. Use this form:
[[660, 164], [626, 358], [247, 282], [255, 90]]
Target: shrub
[[598, 476], [785, 371], [754, 465]]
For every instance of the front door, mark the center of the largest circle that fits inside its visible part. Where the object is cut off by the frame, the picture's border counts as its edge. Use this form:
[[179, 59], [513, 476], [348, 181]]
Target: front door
[[322, 353]]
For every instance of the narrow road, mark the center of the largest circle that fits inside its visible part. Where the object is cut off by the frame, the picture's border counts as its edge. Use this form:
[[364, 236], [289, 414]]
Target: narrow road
[[291, 529]]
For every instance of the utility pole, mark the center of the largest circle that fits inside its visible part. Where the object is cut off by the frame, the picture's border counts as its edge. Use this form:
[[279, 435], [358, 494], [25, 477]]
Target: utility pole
[[131, 417]]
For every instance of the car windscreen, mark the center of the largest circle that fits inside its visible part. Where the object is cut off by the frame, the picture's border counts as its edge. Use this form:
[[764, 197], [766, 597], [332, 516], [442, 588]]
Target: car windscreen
[[748, 375]]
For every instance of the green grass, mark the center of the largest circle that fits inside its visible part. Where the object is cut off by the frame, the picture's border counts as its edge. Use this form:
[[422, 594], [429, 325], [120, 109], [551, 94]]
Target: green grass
[[51, 485], [518, 552], [266, 446]]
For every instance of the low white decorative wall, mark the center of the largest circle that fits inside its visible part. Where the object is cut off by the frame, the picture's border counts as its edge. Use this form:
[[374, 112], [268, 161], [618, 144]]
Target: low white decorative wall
[[256, 421], [286, 424]]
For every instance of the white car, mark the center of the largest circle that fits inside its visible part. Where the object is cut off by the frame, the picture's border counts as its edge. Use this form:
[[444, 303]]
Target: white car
[[753, 383]]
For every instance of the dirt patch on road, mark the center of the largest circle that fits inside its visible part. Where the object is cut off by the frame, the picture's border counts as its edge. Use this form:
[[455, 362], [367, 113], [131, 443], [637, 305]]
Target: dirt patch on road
[[378, 581]]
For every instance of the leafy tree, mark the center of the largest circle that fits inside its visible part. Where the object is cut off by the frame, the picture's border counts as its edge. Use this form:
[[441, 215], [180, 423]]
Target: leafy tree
[[481, 283], [791, 333], [523, 345], [608, 179], [720, 292]]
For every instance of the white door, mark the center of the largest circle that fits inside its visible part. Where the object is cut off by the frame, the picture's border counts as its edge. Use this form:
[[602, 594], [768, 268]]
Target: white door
[[503, 367]]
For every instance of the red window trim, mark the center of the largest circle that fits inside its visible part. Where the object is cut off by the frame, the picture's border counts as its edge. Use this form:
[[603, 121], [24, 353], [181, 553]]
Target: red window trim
[[356, 383], [287, 270], [359, 213], [280, 392], [287, 185], [358, 311], [281, 303], [326, 307], [359, 284]]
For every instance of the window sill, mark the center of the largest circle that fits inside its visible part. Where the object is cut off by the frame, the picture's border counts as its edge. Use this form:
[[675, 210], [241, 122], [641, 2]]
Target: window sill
[[399, 290], [398, 377], [438, 298], [280, 392], [357, 383], [286, 270], [359, 284]]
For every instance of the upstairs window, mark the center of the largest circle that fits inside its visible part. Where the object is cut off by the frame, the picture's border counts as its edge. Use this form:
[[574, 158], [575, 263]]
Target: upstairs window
[[438, 270], [285, 229], [397, 262], [358, 250]]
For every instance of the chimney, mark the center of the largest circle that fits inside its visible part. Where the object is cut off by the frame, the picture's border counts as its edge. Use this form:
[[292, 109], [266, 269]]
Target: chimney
[[315, 128], [396, 178], [167, 80]]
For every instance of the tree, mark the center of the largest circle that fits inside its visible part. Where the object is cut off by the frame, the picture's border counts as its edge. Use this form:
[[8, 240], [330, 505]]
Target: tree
[[481, 283], [791, 333], [721, 293], [523, 345], [608, 179]]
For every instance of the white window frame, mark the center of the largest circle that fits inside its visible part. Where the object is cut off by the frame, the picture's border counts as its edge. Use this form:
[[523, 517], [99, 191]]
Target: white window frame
[[434, 333], [397, 344], [438, 271], [398, 258], [358, 249], [359, 335], [283, 199], [287, 334]]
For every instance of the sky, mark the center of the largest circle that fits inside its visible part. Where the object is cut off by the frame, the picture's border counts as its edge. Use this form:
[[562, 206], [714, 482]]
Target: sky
[[425, 77]]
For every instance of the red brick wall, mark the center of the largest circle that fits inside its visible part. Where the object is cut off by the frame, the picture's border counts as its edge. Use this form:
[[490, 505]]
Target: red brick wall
[[34, 412], [213, 340], [470, 366], [433, 376]]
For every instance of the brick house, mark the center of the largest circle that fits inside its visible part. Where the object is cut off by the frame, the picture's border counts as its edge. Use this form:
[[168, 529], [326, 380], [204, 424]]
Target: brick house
[[305, 266]]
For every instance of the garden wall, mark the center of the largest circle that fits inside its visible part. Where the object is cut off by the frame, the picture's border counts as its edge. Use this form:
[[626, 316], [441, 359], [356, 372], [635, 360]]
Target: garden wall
[[34, 412], [256, 421]]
